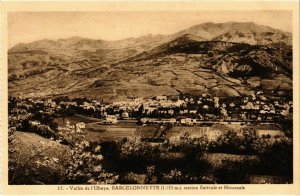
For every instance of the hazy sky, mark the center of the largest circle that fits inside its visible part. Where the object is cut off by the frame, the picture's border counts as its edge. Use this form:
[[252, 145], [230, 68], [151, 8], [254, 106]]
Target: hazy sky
[[31, 26]]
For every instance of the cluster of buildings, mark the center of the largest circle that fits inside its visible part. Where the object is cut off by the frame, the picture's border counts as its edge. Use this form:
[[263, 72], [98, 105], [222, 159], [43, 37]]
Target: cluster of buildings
[[182, 109], [186, 110], [78, 127]]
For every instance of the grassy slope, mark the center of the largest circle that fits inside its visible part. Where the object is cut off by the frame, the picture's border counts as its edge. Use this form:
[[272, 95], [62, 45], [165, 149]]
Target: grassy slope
[[40, 168], [28, 140]]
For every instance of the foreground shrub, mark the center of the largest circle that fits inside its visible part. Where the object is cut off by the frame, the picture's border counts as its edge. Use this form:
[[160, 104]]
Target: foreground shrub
[[133, 178], [193, 148], [235, 143], [235, 172], [276, 155], [138, 154], [85, 166], [176, 176]]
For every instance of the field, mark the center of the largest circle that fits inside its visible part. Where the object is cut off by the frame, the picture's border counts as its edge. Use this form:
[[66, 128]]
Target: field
[[194, 131], [151, 131], [198, 131], [96, 132], [61, 121]]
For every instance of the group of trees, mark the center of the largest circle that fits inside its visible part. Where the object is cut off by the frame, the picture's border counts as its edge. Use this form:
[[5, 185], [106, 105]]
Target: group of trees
[[32, 119], [86, 166], [233, 142], [72, 110], [41, 124], [183, 159]]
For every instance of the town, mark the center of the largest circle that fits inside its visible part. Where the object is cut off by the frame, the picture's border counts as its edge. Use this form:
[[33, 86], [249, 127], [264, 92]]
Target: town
[[176, 110]]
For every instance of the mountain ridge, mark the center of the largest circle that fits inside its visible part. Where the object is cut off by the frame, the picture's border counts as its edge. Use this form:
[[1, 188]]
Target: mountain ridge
[[194, 30], [237, 58]]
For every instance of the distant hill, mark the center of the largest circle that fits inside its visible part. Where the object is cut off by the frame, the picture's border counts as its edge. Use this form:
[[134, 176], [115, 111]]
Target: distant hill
[[223, 59]]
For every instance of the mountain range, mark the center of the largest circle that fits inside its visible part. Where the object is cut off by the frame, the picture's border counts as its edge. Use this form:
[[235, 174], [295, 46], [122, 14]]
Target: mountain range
[[221, 59]]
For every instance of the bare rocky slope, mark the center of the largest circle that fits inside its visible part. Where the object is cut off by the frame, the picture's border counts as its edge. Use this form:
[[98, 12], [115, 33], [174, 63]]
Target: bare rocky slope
[[225, 59]]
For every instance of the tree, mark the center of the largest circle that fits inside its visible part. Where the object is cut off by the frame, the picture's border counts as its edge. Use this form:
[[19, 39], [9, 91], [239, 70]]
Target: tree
[[141, 110], [230, 142], [276, 155], [85, 166]]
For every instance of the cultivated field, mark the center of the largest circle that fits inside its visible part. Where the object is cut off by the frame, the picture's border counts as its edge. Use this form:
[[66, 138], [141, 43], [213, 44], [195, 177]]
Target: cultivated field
[[61, 121], [97, 132]]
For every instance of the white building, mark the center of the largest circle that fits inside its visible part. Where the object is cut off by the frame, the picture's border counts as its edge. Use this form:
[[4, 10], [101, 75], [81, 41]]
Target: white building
[[111, 119], [161, 98], [125, 115], [79, 126]]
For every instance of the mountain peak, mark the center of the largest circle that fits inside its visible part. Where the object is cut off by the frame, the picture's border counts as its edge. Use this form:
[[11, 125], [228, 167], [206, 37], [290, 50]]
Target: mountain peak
[[239, 32]]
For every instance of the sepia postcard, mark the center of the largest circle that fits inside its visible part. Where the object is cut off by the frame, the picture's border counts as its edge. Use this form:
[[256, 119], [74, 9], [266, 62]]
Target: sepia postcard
[[150, 97]]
